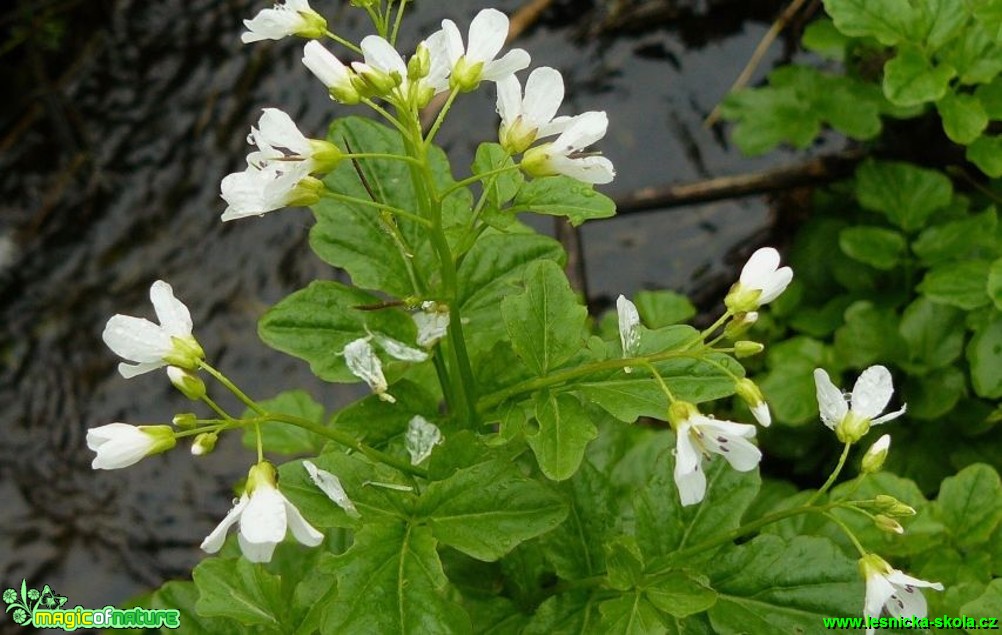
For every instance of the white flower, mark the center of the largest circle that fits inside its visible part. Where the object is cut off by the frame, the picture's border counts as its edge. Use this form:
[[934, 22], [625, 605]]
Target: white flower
[[629, 328], [329, 70], [762, 281], [255, 191], [398, 349], [869, 397], [386, 73], [432, 323], [150, 345], [698, 436], [331, 486], [295, 17], [281, 145], [361, 360], [264, 514], [475, 62], [565, 154], [120, 445], [526, 119], [891, 589], [421, 438]]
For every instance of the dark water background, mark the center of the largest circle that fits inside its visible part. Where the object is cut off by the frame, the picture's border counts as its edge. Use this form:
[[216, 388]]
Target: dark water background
[[119, 119]]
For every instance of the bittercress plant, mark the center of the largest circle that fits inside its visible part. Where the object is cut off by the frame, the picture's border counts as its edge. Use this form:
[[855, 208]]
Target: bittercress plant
[[518, 468]]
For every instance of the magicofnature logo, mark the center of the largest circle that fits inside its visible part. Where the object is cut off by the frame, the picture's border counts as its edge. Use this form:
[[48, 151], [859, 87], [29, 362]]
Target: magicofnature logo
[[44, 609]]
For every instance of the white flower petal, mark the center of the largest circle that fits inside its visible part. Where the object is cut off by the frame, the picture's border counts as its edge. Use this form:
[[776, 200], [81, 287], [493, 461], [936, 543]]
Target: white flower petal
[[730, 440], [689, 476], [487, 35], [331, 486], [399, 350], [421, 438], [259, 552], [325, 66], [277, 129], [301, 530], [544, 92], [381, 56], [762, 415], [831, 402], [583, 130], [136, 339], [117, 445], [214, 541], [432, 325], [878, 591], [509, 101], [891, 415], [872, 392], [512, 62], [760, 267], [591, 169], [173, 315], [129, 371], [361, 360], [629, 326], [263, 520], [452, 41], [776, 285]]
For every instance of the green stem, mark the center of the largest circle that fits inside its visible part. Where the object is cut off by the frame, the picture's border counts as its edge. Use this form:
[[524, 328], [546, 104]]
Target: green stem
[[848, 532], [396, 24], [387, 116], [215, 407], [458, 185], [343, 42], [347, 440], [247, 401], [380, 206], [441, 118], [380, 155], [834, 474], [661, 382]]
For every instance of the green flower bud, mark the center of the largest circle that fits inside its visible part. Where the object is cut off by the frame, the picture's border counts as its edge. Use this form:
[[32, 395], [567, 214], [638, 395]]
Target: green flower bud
[[190, 384], [307, 192], [419, 65], [186, 420], [747, 348], [204, 443], [873, 460], [314, 25], [326, 156], [885, 523]]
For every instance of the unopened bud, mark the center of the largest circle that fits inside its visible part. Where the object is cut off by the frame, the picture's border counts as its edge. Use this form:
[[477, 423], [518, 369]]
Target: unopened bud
[[204, 443], [752, 396], [893, 507], [747, 348], [873, 460], [306, 193], [190, 384], [885, 523], [740, 324], [419, 65], [185, 420]]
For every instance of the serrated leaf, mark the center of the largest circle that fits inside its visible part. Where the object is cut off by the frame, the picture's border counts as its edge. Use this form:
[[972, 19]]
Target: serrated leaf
[[960, 284], [964, 118], [959, 239], [565, 428], [563, 196], [576, 547], [182, 596], [995, 283], [285, 438], [970, 505], [680, 595], [878, 247], [886, 20], [391, 581], [624, 563], [315, 324], [545, 321], [570, 613], [988, 604], [772, 586], [983, 354], [486, 510], [664, 526], [822, 37], [941, 21], [768, 117], [630, 614], [239, 590], [976, 56], [911, 79], [906, 194]]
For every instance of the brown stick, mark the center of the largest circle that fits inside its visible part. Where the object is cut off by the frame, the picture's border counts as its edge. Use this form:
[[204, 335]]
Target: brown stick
[[756, 57], [823, 169]]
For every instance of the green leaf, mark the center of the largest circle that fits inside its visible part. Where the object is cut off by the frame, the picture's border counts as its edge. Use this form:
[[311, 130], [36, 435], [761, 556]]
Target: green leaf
[[986, 153], [570, 613], [964, 118], [970, 505], [768, 117], [772, 586], [565, 429], [990, 96], [983, 354], [911, 79], [976, 56], [238, 590], [906, 194], [486, 510], [183, 596], [564, 196], [885, 20], [934, 334], [391, 581], [789, 386], [988, 604], [995, 283], [378, 421], [576, 547], [960, 284], [869, 334], [989, 14], [878, 247], [935, 394], [630, 614], [317, 322], [941, 21], [663, 308], [493, 269], [284, 438], [823, 38], [958, 239], [624, 564], [664, 526], [503, 187], [545, 321], [679, 594]]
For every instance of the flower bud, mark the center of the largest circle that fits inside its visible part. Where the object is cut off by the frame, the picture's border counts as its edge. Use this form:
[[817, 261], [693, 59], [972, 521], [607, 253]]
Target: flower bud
[[740, 324], [873, 460], [419, 65], [326, 156], [751, 395], [747, 348], [185, 352], [120, 445], [313, 26], [306, 193], [185, 420], [892, 506], [190, 384], [204, 443], [885, 523]]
